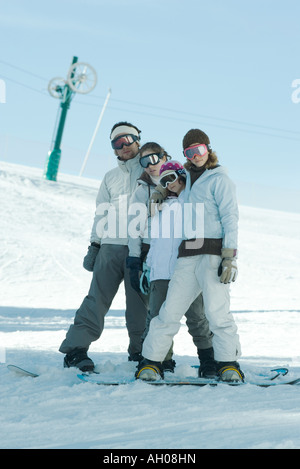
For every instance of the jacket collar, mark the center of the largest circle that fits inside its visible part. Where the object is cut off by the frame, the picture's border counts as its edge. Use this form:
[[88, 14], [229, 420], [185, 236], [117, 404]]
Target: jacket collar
[[129, 165], [146, 179]]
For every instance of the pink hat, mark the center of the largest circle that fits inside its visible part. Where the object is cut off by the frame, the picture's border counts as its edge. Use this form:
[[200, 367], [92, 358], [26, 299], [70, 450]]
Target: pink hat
[[173, 166]]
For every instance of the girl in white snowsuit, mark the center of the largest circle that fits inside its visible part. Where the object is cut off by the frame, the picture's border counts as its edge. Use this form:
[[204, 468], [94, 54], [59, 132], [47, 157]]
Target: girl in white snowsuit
[[162, 266], [205, 265]]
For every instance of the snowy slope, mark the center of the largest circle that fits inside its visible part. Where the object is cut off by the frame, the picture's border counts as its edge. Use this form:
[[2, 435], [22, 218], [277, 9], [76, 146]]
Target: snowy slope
[[44, 235]]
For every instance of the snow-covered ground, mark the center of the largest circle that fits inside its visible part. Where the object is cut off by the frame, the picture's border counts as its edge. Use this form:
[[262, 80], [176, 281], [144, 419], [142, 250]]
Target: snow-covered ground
[[44, 234]]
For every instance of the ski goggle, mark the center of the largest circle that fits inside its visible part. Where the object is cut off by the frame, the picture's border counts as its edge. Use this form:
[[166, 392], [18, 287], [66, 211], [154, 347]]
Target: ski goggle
[[152, 158], [168, 179], [199, 150], [118, 142]]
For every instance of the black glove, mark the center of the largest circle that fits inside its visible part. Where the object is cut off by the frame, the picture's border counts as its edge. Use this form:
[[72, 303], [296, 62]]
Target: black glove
[[145, 279], [135, 266], [90, 258]]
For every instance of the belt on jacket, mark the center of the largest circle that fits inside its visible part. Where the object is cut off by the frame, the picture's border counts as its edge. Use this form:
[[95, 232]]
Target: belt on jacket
[[194, 247]]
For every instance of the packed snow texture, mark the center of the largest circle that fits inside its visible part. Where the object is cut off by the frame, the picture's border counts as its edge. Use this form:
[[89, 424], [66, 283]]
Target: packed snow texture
[[45, 228]]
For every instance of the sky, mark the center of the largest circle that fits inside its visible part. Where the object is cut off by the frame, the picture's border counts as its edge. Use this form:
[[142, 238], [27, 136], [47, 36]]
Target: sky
[[230, 68]]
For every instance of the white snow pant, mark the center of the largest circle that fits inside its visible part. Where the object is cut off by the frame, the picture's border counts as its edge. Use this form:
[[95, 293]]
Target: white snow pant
[[192, 276]]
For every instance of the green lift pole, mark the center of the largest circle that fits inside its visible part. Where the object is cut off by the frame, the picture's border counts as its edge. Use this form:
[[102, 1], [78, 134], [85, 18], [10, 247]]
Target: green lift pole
[[54, 155]]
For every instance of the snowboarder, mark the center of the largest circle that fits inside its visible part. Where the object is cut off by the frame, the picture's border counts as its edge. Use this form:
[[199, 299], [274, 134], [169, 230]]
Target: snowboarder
[[152, 157], [106, 257], [204, 265]]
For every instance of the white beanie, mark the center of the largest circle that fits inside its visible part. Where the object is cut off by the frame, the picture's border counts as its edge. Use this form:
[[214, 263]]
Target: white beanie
[[124, 129]]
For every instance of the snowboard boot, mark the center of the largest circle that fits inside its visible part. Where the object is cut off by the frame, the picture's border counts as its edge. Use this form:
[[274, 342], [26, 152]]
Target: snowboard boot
[[78, 358], [169, 365], [149, 370], [135, 357], [208, 366], [230, 372]]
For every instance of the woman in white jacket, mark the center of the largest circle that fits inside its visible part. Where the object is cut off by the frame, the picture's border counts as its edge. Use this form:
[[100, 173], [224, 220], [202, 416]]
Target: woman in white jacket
[[206, 265]]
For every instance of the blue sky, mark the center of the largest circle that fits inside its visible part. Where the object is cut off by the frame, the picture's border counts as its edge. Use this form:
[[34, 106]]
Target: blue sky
[[226, 67]]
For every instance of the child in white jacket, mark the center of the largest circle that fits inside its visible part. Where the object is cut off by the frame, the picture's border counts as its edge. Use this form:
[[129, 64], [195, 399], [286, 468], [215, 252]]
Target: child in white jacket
[[206, 265], [166, 225]]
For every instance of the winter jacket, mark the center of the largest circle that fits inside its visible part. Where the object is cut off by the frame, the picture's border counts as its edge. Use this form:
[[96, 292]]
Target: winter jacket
[[140, 196], [166, 231], [110, 222], [217, 192]]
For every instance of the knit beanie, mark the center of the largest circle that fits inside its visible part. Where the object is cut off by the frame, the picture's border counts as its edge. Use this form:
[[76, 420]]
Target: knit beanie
[[173, 166], [195, 136]]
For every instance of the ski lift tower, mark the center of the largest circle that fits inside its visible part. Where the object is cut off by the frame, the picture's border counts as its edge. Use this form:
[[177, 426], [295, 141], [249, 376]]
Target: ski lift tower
[[81, 78]]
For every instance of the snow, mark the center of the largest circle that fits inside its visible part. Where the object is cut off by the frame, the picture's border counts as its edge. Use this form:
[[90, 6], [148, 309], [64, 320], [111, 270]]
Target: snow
[[44, 235]]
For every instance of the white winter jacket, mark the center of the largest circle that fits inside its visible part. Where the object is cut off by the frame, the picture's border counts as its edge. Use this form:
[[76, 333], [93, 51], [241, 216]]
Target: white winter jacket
[[166, 237], [217, 192], [111, 220], [140, 197]]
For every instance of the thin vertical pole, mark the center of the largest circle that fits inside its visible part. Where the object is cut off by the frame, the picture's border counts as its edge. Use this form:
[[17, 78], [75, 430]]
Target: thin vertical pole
[[95, 133]]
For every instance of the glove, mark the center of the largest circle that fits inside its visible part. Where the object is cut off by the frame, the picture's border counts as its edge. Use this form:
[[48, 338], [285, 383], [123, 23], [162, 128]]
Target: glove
[[134, 264], [157, 198], [228, 268], [145, 279], [90, 258], [159, 195]]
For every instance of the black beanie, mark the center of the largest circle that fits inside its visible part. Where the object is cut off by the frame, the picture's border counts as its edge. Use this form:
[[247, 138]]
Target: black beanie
[[195, 136]]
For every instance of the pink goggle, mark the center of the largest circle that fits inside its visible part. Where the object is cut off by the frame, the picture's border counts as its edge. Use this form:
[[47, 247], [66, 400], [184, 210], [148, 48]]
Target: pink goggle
[[196, 150]]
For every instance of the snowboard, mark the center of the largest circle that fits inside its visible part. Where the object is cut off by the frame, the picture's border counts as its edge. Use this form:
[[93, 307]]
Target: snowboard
[[21, 372], [266, 380], [189, 381]]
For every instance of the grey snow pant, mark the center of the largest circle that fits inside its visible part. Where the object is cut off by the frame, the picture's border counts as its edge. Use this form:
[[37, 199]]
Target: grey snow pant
[[196, 321], [109, 271]]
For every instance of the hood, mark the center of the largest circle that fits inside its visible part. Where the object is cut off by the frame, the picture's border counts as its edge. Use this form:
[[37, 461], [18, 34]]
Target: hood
[[146, 180]]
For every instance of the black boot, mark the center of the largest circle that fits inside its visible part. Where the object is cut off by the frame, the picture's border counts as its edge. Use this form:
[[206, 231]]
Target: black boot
[[169, 365], [135, 357], [78, 358], [208, 366]]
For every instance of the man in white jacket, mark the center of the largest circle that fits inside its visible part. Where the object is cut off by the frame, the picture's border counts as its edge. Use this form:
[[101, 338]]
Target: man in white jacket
[[106, 257]]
